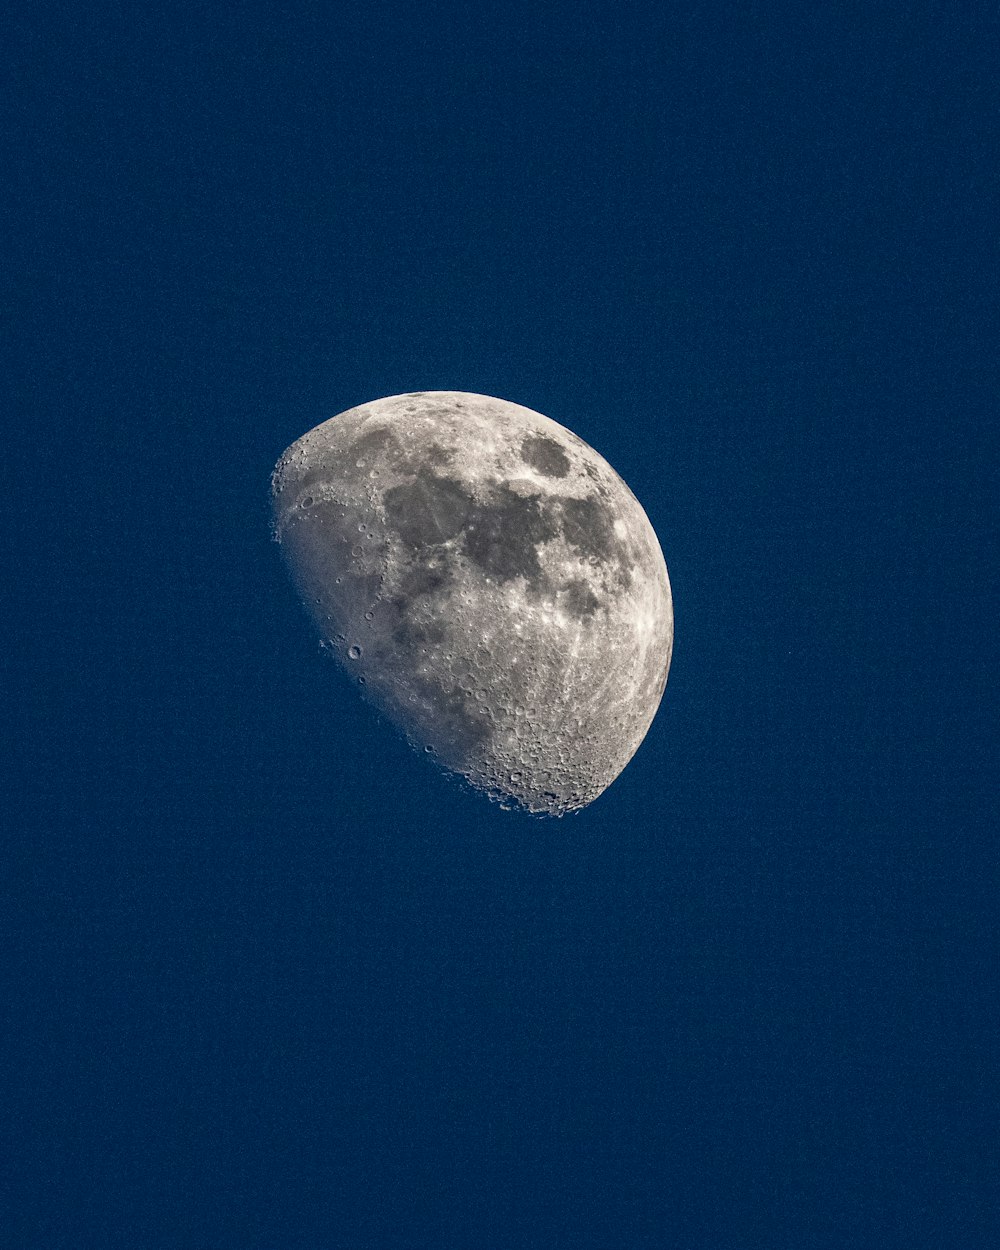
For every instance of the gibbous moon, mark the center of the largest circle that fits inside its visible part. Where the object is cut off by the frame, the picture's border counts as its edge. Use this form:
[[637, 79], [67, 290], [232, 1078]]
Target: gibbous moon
[[490, 581]]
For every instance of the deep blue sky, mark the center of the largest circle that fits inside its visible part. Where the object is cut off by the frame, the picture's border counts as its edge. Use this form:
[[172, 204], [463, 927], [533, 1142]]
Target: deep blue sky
[[272, 982]]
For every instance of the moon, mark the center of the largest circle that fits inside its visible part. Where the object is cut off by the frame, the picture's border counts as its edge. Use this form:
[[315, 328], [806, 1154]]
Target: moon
[[491, 583]]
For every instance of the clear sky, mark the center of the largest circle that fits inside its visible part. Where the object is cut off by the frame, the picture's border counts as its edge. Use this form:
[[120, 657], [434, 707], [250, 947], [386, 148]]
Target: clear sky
[[272, 982]]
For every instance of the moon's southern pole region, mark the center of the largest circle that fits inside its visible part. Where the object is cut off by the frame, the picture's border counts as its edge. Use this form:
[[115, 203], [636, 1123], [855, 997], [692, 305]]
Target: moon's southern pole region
[[492, 582]]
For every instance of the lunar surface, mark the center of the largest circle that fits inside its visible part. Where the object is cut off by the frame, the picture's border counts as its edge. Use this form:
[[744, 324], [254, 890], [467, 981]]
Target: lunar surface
[[490, 581]]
